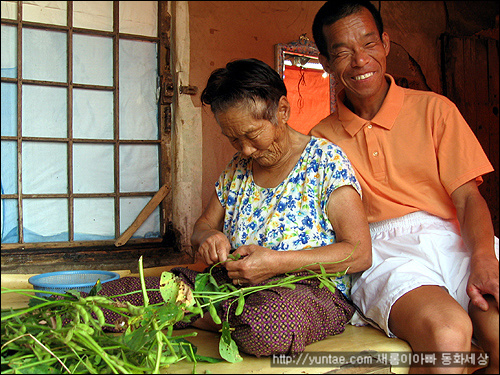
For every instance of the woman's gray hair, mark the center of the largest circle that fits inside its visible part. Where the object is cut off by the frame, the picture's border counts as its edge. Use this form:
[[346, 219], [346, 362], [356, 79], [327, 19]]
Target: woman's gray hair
[[246, 82]]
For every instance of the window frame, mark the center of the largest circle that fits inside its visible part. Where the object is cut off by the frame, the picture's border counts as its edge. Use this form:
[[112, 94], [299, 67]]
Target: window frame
[[52, 256]]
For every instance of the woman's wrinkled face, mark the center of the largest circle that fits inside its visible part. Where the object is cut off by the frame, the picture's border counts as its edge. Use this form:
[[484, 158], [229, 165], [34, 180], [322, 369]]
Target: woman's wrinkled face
[[258, 139], [357, 54]]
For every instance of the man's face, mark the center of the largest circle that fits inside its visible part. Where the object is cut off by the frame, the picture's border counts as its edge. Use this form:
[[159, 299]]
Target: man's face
[[357, 55]]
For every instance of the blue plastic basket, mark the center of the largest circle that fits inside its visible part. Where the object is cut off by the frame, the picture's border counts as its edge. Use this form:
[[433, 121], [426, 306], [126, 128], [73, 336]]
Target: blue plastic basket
[[60, 282]]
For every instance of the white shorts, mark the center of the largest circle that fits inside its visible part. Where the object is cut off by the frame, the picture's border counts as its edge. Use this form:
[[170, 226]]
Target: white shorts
[[408, 252]]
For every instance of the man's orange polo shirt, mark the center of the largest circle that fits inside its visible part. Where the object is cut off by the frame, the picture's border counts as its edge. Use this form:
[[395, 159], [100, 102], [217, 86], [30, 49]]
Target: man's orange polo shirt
[[411, 156]]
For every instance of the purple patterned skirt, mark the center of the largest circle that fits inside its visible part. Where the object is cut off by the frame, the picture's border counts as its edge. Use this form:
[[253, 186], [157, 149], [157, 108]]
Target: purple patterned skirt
[[274, 321]]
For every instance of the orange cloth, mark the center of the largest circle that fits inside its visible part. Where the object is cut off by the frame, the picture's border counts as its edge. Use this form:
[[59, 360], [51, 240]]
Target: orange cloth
[[411, 156], [309, 96]]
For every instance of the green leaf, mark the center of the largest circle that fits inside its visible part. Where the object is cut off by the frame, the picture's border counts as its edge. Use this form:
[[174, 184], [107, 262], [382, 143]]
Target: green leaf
[[231, 287], [168, 360], [205, 282], [241, 305], [234, 256], [97, 360], [195, 309], [213, 282], [89, 366], [74, 293], [331, 286], [35, 301], [169, 314], [227, 347], [201, 281], [169, 287], [96, 288], [138, 338], [183, 347], [201, 358], [288, 278], [213, 313], [323, 272], [31, 366]]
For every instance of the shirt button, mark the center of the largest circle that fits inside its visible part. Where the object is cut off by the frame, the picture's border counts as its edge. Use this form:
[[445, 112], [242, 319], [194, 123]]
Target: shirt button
[[369, 126], [375, 154]]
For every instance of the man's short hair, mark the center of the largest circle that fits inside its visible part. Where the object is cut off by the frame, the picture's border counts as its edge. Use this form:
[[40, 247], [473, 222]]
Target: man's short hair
[[333, 11]]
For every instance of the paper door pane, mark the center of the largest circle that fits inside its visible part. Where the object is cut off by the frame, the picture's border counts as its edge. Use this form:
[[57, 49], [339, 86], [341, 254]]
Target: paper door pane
[[9, 109], [139, 17], [45, 168], [92, 60], [130, 208], [9, 51], [97, 15], [139, 168], [94, 218], [138, 90], [45, 55], [45, 220], [44, 111], [93, 168]]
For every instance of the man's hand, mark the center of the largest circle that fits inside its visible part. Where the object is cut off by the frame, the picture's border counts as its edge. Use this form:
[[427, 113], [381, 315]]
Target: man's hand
[[483, 280]]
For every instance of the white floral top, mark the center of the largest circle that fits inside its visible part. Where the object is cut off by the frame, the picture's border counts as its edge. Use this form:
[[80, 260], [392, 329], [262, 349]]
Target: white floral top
[[293, 215]]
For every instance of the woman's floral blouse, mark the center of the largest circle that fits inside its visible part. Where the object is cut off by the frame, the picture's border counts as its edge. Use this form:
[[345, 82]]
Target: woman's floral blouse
[[293, 215]]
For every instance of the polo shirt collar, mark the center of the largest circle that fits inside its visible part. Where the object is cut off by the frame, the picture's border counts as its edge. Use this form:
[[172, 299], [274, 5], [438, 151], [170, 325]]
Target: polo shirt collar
[[385, 117]]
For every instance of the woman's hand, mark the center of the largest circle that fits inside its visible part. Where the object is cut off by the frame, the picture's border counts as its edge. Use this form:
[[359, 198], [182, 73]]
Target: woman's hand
[[255, 265], [211, 245], [214, 247]]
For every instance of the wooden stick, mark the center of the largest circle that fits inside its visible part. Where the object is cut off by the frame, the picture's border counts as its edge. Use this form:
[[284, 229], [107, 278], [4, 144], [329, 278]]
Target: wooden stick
[[143, 215]]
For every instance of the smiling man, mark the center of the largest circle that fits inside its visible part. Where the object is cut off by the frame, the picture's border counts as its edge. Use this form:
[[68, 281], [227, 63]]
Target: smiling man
[[434, 277]]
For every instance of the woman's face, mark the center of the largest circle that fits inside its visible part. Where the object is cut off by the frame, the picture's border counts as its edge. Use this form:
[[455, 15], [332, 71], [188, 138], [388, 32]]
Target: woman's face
[[260, 139]]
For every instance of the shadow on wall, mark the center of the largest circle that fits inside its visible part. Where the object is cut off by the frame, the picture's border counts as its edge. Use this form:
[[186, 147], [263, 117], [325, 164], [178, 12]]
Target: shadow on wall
[[405, 70]]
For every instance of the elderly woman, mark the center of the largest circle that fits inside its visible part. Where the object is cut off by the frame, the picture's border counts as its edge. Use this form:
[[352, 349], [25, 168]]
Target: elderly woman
[[286, 200]]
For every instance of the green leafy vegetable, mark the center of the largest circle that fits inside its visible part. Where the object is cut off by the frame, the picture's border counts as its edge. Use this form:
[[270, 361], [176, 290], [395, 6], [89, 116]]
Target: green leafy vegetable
[[63, 333], [227, 347]]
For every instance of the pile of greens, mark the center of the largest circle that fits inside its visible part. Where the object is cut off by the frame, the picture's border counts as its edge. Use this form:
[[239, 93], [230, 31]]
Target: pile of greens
[[63, 333]]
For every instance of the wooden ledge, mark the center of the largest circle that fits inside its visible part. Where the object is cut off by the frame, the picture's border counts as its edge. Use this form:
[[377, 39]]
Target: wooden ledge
[[353, 340]]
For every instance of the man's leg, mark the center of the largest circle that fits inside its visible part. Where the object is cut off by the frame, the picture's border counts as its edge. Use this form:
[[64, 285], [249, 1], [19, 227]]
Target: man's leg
[[430, 320], [485, 325]]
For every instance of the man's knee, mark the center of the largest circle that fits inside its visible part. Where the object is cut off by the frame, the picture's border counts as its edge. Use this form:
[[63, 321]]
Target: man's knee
[[429, 319], [452, 335]]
